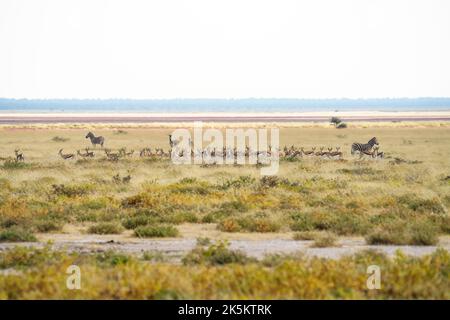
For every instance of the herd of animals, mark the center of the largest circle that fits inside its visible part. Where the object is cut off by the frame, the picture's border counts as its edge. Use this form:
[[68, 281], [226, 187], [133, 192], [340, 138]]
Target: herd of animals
[[370, 149]]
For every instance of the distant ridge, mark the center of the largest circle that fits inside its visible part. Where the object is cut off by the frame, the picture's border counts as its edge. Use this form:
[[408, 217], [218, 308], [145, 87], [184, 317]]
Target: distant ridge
[[222, 105]]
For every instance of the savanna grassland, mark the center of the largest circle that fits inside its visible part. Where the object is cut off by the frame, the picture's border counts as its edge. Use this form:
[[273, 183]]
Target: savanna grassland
[[402, 199]]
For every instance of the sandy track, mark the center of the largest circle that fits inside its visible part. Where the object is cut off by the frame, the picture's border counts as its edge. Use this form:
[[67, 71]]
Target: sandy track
[[176, 248]]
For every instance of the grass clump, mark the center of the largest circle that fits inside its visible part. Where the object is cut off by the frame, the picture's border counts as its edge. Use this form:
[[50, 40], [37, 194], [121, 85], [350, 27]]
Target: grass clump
[[72, 190], [421, 233], [59, 139], [156, 231], [153, 256], [112, 258], [216, 254], [48, 225], [16, 234], [325, 240], [106, 228], [249, 224], [12, 164], [305, 235]]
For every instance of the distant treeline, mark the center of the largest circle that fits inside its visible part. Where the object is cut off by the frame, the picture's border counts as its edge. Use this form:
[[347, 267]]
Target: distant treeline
[[250, 104]]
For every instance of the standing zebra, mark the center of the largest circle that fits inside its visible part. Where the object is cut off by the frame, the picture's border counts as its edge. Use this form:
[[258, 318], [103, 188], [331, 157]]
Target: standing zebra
[[366, 147], [173, 142], [95, 140]]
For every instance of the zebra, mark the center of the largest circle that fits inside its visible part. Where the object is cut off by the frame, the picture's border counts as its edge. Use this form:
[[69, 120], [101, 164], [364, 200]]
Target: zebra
[[173, 142], [363, 148], [95, 140]]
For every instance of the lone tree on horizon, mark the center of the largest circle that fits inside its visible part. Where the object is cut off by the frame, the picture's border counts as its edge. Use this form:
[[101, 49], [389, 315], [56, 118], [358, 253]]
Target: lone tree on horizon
[[337, 122]]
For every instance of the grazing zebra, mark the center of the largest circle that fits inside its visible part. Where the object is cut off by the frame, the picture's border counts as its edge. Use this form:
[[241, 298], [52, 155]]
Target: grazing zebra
[[95, 140], [363, 148]]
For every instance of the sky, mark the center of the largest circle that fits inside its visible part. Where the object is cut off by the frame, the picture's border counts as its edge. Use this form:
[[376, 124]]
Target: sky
[[224, 49]]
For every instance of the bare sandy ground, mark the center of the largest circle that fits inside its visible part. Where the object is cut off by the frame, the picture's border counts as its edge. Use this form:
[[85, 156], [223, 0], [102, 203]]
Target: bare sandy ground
[[177, 248], [253, 244], [30, 118]]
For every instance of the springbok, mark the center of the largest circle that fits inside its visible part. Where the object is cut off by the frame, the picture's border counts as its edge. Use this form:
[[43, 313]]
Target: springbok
[[112, 156], [88, 154], [66, 156], [19, 155], [95, 140], [319, 153], [336, 154]]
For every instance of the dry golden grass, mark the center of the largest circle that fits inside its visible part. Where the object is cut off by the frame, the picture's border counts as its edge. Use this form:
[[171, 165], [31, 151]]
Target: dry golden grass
[[387, 201]]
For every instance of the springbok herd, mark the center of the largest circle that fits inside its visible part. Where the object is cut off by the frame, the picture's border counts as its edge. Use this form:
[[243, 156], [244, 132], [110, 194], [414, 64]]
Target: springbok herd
[[370, 150]]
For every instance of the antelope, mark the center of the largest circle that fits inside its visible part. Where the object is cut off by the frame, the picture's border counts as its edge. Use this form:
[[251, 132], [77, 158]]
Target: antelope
[[146, 152], [309, 152], [95, 140], [19, 155], [112, 156], [378, 153], [67, 155], [371, 153], [88, 154], [327, 153], [336, 153], [319, 153]]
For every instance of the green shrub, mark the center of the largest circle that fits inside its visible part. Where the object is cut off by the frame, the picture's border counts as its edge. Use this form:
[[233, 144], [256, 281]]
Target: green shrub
[[16, 234], [306, 235], [216, 254], [423, 234], [20, 257], [106, 228], [48, 225], [12, 164], [421, 205], [156, 231], [137, 221], [420, 233], [72, 190], [112, 258], [324, 240], [250, 224], [301, 222], [154, 256]]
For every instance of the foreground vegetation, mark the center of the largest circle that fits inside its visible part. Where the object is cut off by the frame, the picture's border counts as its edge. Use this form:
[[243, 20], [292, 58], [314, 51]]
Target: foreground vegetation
[[402, 199], [216, 272]]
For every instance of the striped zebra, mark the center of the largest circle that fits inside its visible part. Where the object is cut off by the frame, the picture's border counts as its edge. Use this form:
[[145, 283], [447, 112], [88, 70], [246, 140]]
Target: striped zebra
[[364, 147], [95, 140]]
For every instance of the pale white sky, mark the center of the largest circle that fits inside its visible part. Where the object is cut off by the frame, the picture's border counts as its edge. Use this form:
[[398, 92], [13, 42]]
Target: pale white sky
[[224, 49]]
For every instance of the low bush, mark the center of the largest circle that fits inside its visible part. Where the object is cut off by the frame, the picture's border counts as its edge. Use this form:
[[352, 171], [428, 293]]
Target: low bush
[[105, 228], [422, 233], [216, 254], [156, 231], [16, 234], [324, 240]]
